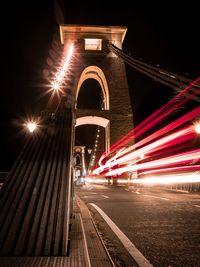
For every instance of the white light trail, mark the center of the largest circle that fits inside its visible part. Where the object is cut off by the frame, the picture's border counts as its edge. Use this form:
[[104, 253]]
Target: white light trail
[[170, 179], [156, 145], [184, 157], [172, 126], [172, 169]]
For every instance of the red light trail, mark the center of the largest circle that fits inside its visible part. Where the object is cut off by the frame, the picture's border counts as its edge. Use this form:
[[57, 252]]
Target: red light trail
[[179, 158], [153, 154], [159, 115], [173, 169]]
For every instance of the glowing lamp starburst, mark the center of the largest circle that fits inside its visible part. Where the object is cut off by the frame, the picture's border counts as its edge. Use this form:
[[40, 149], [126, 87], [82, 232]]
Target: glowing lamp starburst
[[60, 75], [55, 86], [31, 126]]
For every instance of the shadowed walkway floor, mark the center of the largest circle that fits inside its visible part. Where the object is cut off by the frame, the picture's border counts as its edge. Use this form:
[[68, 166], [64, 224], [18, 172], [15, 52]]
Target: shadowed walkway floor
[[86, 248]]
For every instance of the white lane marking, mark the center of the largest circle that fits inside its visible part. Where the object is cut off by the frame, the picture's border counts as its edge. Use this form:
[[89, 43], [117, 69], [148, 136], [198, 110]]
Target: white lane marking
[[197, 206], [89, 187], [85, 243], [130, 247], [127, 189], [92, 196], [89, 196], [136, 192], [105, 196], [163, 198]]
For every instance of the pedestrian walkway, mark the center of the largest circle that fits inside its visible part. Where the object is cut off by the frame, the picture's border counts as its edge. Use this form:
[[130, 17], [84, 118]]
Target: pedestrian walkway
[[86, 248]]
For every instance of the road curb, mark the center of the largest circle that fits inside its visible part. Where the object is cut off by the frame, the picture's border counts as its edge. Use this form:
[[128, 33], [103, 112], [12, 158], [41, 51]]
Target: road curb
[[98, 254]]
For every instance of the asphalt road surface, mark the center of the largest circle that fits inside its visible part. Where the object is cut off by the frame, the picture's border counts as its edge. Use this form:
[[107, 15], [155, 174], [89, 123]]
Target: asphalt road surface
[[164, 225]]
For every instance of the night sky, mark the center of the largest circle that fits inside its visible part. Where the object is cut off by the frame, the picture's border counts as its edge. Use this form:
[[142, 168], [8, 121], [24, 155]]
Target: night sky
[[162, 34]]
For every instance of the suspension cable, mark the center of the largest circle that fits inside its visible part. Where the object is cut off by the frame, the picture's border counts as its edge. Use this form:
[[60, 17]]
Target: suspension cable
[[167, 78]]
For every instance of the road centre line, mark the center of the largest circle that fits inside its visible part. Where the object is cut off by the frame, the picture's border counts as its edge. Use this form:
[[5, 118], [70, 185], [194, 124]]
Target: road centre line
[[163, 198], [197, 206], [136, 192], [130, 247], [105, 196]]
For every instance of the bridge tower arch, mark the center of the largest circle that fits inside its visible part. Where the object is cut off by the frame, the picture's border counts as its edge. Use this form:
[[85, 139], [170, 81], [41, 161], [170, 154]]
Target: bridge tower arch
[[94, 72], [100, 121]]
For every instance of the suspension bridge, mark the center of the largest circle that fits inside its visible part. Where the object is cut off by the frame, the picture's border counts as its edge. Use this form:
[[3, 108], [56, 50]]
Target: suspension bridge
[[37, 197]]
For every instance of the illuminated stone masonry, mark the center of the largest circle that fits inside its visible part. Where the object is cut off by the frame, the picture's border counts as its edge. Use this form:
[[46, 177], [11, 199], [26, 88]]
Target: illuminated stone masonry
[[97, 62]]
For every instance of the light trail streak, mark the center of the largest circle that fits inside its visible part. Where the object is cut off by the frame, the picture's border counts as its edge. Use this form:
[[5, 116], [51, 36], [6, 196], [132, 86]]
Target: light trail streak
[[173, 169], [165, 179], [125, 159], [159, 115], [170, 179], [180, 158], [170, 140], [185, 118], [166, 146]]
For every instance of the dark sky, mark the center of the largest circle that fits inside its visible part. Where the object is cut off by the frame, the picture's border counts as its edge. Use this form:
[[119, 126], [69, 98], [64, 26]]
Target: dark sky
[[166, 34]]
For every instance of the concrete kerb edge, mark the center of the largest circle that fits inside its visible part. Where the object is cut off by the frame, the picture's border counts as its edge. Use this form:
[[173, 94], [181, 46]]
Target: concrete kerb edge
[[80, 202]]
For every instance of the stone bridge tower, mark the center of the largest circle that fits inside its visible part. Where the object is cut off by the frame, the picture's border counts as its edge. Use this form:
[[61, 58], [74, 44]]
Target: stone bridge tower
[[97, 62]]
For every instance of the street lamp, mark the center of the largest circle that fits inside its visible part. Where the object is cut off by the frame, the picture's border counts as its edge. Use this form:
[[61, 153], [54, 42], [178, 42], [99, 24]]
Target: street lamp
[[32, 126], [60, 75]]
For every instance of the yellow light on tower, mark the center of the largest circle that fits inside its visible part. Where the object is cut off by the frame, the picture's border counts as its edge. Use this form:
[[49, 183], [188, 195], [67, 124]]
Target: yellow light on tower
[[59, 78], [55, 86]]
